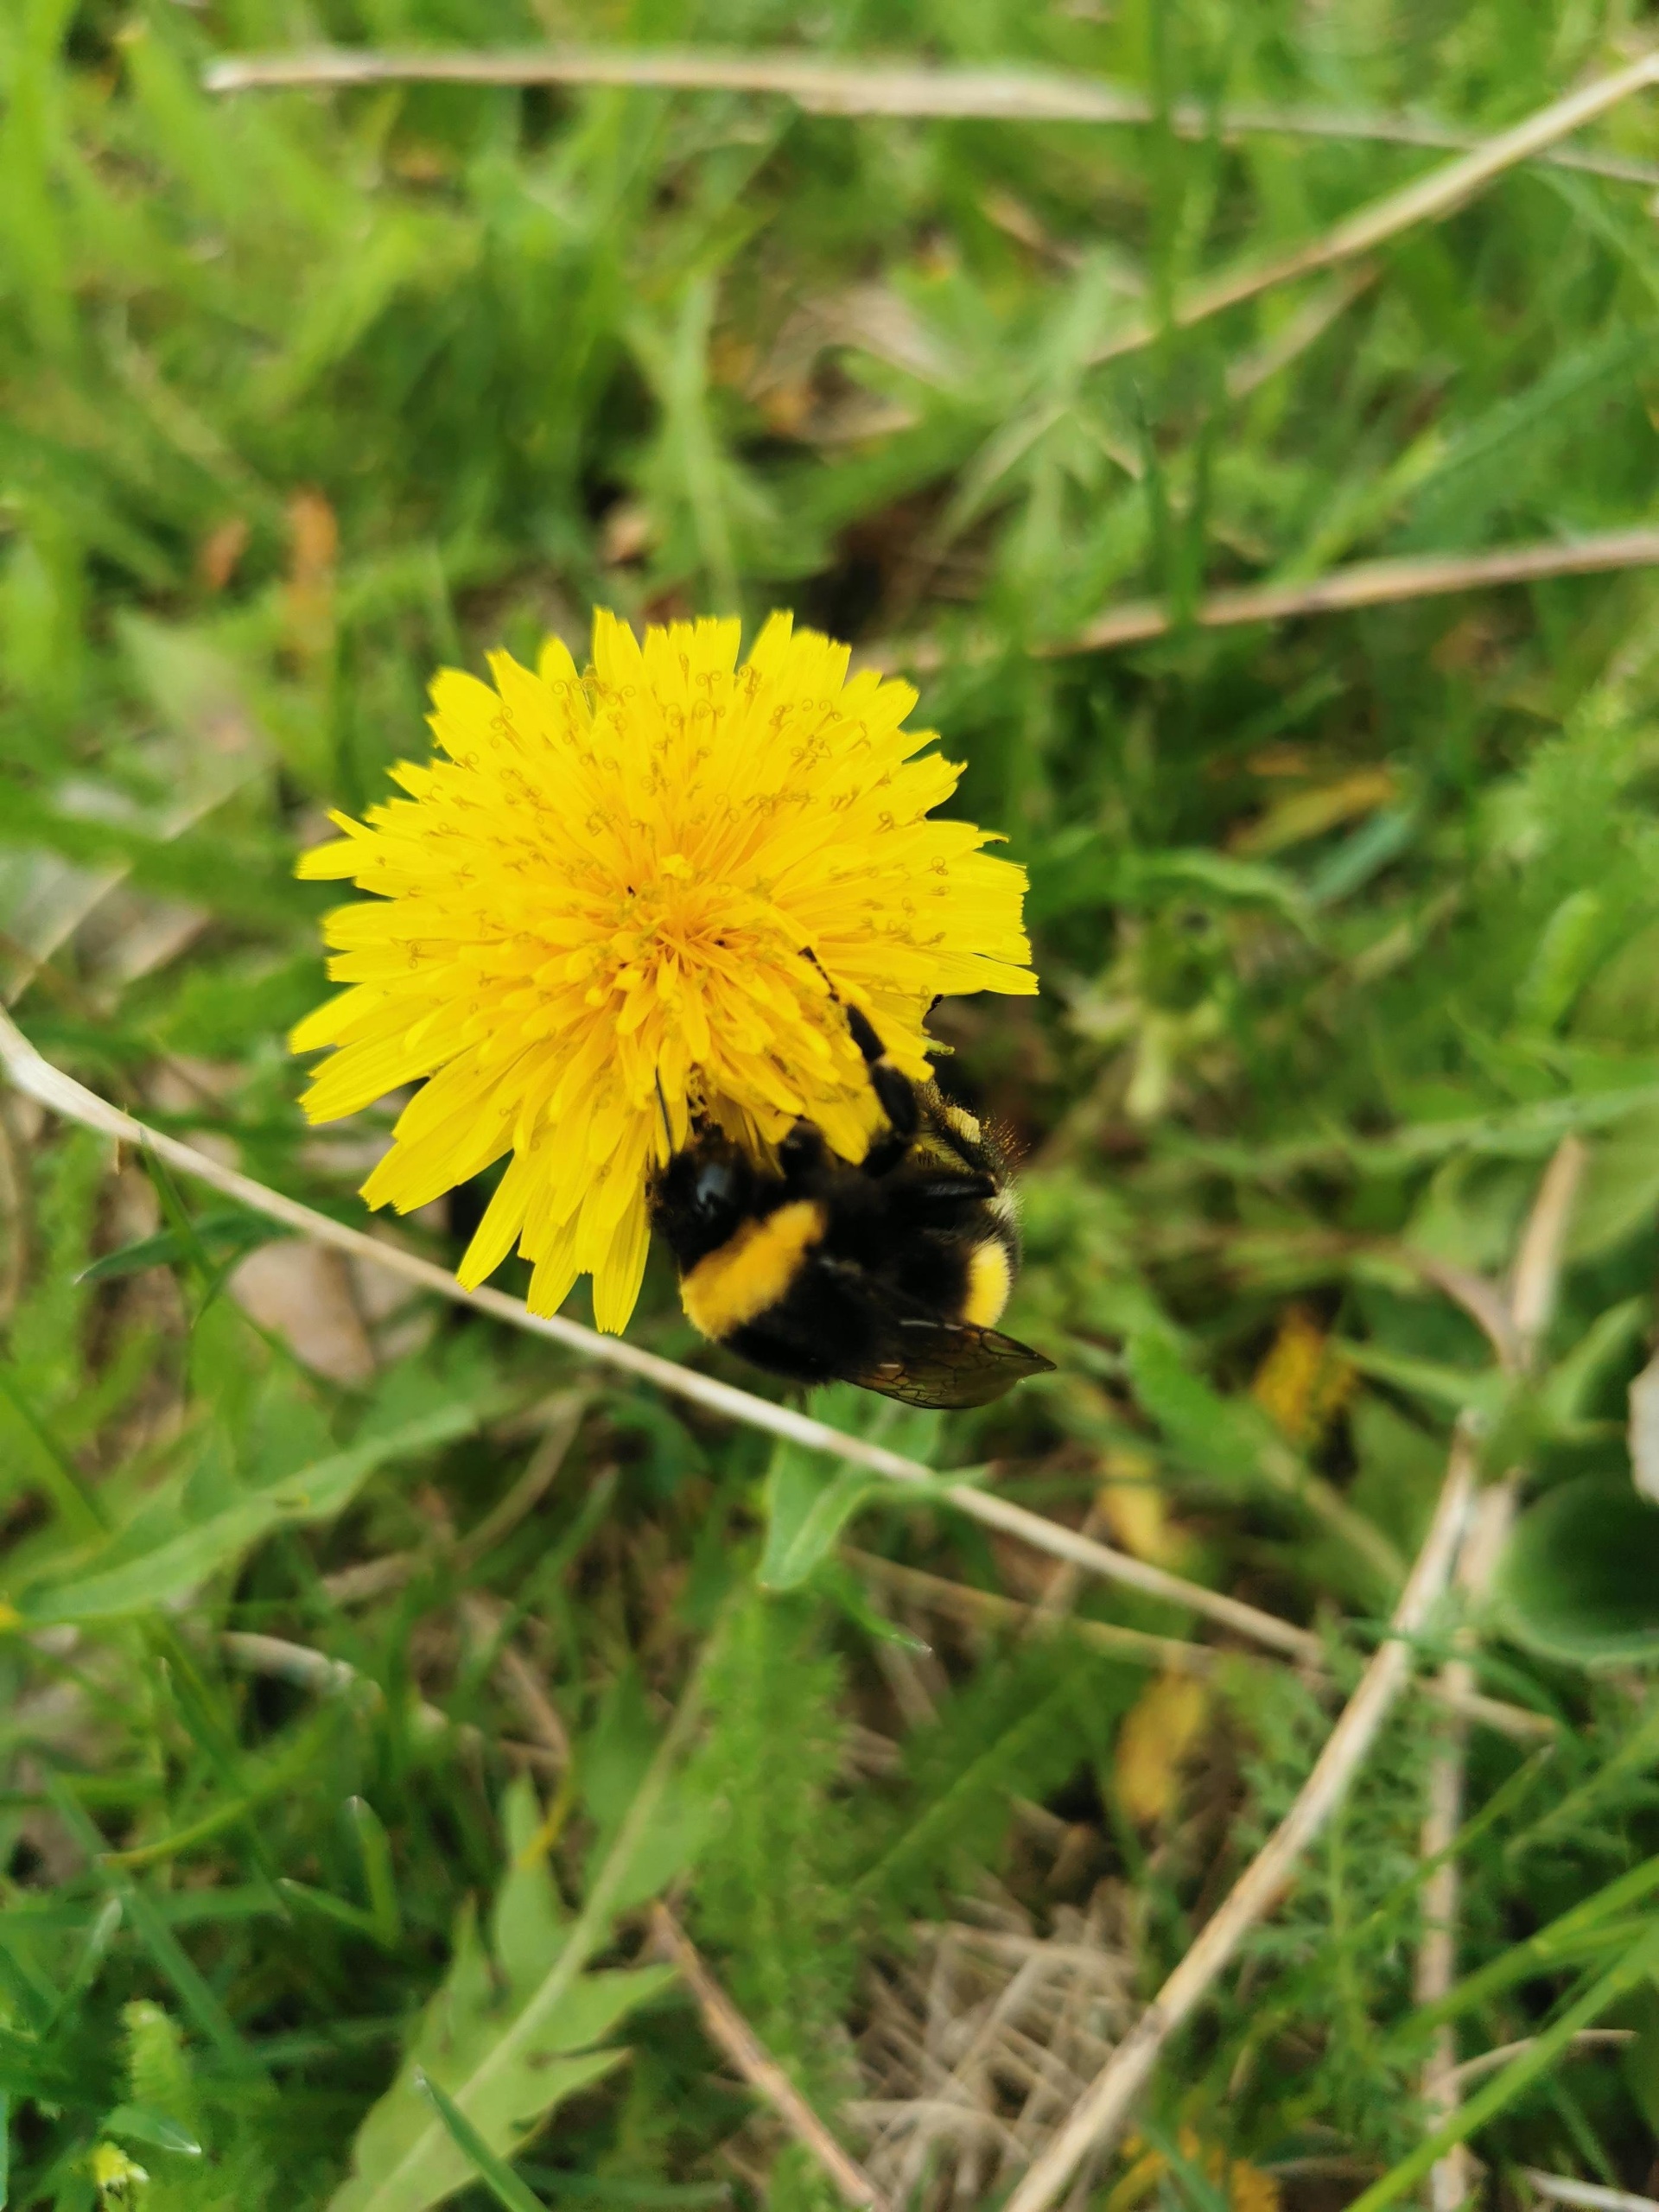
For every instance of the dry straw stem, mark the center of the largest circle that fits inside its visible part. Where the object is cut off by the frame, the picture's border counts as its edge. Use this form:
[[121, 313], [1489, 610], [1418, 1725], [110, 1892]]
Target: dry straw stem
[[1531, 1302], [1429, 199], [1007, 94], [309, 1669], [977, 1608], [63, 1095], [733, 2035], [1585, 2195], [1451, 2178], [960, 1601], [1488, 2061], [1096, 2120], [1099, 2117], [1368, 583]]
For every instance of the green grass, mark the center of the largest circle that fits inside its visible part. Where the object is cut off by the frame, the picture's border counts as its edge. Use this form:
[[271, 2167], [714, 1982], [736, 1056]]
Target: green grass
[[1343, 925]]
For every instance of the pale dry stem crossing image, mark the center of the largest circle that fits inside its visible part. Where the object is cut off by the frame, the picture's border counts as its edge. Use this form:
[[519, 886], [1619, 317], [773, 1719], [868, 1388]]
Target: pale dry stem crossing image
[[829, 1107]]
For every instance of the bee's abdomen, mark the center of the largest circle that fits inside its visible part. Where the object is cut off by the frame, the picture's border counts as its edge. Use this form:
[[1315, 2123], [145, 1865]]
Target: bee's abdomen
[[752, 1270], [990, 1278]]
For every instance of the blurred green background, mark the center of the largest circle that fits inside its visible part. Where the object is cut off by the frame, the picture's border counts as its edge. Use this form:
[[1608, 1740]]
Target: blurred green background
[[342, 1633]]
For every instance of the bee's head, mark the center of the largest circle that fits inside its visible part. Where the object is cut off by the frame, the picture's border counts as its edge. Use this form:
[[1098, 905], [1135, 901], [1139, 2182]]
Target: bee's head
[[700, 1197]]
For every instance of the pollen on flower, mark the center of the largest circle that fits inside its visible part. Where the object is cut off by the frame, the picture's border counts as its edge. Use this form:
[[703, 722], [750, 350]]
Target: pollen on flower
[[626, 899]]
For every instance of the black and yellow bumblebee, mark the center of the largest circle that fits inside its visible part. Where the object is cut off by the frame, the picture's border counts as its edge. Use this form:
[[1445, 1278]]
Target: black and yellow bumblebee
[[890, 1272]]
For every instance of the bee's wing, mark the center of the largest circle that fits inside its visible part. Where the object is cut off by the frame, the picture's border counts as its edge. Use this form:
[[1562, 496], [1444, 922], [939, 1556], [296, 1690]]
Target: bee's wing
[[930, 1362]]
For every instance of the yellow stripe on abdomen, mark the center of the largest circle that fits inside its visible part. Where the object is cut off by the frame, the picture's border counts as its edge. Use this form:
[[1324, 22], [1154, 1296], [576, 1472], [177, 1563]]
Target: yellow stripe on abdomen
[[752, 1270], [990, 1278]]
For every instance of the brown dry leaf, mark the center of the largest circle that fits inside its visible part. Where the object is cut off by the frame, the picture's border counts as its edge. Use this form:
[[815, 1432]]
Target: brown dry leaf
[[314, 544], [625, 534], [218, 554], [787, 406], [302, 1294], [1302, 1385], [1301, 814], [1136, 1510], [420, 164], [732, 360], [1158, 1732], [1282, 758], [1248, 2189], [1473, 644]]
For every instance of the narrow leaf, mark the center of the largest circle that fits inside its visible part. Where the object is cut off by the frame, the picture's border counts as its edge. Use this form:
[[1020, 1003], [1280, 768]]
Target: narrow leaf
[[143, 2124], [497, 2175], [173, 1568], [222, 1234]]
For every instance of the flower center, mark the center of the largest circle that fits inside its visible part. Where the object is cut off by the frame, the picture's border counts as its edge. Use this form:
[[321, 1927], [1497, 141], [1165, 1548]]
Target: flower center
[[679, 930]]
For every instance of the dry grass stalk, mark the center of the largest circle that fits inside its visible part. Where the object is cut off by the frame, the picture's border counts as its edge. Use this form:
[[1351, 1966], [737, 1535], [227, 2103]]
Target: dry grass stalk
[[309, 1669], [1099, 2115], [980, 2037], [1585, 2195], [1012, 94], [1372, 583], [1488, 2061], [960, 1601], [1531, 1300], [1354, 584], [1427, 199], [731, 2033], [39, 1080], [519, 1680], [990, 1609]]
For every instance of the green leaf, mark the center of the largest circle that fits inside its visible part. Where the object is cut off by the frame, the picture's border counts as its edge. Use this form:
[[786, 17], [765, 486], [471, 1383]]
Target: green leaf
[[1566, 952], [379, 1878], [1461, 1389], [143, 2124], [1579, 1578], [613, 1761], [805, 1515], [1224, 1438], [222, 1234], [1570, 1385], [1246, 882], [1639, 2059], [1620, 1195], [497, 2175], [516, 2028], [842, 1587], [807, 1509], [175, 1567]]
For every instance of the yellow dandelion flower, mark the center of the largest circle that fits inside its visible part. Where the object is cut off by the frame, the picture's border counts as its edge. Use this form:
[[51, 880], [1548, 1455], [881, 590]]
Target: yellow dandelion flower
[[629, 897]]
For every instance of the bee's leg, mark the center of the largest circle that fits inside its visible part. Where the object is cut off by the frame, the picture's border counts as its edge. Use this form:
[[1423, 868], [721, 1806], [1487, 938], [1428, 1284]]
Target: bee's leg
[[949, 1193], [896, 1091]]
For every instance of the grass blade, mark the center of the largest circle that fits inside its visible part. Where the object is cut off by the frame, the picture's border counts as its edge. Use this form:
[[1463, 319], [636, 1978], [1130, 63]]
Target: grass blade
[[494, 2172]]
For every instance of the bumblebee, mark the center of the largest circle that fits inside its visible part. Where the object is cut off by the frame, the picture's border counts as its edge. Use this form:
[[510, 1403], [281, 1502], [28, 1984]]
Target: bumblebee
[[889, 1273]]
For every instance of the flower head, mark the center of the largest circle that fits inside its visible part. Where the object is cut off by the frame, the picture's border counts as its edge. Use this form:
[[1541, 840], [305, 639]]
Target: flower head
[[629, 897]]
